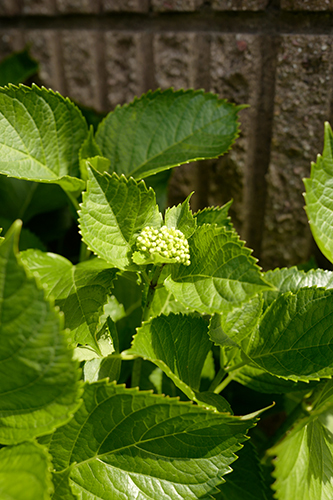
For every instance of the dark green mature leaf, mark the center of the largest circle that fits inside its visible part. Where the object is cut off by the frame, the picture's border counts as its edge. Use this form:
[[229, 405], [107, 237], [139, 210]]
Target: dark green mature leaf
[[304, 463], [222, 274], [17, 67], [27, 238], [113, 212], [319, 197], [215, 215], [291, 280], [39, 381], [294, 338], [80, 291], [62, 490], [40, 136], [25, 472], [164, 129], [178, 344], [246, 481], [129, 444]]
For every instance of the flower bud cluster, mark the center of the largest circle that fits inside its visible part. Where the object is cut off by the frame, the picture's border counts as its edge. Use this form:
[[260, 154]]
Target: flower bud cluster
[[168, 242]]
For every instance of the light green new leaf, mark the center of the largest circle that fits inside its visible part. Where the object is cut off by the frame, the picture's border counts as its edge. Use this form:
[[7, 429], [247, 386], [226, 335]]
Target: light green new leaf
[[319, 197], [39, 387], [222, 274], [164, 129], [215, 215], [304, 463], [113, 212], [129, 444], [80, 291], [181, 217], [40, 136], [291, 280], [25, 472], [294, 338], [178, 344], [246, 481]]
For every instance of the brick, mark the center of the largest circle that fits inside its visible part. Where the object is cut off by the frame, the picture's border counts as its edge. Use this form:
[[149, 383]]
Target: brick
[[311, 5], [302, 94], [239, 4], [79, 6], [9, 7], [126, 59], [44, 46], [37, 7], [175, 59], [10, 41], [126, 5], [80, 66], [235, 70], [176, 5]]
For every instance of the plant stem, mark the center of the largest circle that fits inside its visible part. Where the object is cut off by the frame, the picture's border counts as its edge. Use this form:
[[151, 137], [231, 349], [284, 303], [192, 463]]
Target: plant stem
[[223, 384], [217, 380], [136, 372], [156, 273]]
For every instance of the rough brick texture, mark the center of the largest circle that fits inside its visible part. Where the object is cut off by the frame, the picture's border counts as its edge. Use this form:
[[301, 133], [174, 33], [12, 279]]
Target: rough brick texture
[[176, 5], [311, 5], [82, 6], [9, 7], [239, 4], [33, 7], [302, 104], [126, 5]]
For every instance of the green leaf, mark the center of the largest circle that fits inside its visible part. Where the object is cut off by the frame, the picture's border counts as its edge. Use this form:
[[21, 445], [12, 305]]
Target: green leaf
[[41, 133], [23, 199], [39, 381], [292, 280], [129, 444], [113, 212], [17, 67], [25, 472], [90, 154], [80, 291], [178, 344], [164, 129], [294, 338], [235, 326], [304, 463], [62, 490], [181, 217], [222, 274], [159, 182], [27, 238], [319, 197], [215, 215], [246, 481]]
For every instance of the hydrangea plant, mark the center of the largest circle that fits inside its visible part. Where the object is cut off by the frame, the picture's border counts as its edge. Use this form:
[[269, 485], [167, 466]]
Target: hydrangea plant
[[142, 346]]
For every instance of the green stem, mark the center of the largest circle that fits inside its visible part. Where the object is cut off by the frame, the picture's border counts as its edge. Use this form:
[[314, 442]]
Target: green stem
[[156, 273], [84, 252], [223, 384], [136, 372], [217, 380]]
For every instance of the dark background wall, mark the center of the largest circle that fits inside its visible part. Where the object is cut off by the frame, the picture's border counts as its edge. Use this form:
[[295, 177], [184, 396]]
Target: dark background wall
[[275, 55]]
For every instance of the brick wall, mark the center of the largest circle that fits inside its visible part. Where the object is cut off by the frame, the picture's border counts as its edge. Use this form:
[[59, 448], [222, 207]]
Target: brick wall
[[274, 55]]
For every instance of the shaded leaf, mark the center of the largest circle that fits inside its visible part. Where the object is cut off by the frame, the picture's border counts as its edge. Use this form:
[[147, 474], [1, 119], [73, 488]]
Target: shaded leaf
[[163, 129], [39, 381], [80, 291], [17, 68]]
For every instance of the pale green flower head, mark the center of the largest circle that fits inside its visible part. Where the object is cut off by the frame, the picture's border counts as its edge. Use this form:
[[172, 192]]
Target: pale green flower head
[[169, 243]]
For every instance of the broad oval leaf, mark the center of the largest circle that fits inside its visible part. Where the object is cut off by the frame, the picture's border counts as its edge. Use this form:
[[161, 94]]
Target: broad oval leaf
[[25, 472], [129, 444], [113, 212], [319, 197], [163, 129], [222, 274], [39, 381], [178, 344], [81, 290], [40, 136], [294, 338]]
